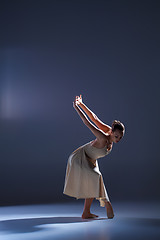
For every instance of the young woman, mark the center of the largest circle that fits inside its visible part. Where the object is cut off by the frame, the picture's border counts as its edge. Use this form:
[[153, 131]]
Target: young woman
[[83, 178]]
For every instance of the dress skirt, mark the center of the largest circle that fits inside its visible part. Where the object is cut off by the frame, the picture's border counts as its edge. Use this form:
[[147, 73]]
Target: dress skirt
[[83, 178]]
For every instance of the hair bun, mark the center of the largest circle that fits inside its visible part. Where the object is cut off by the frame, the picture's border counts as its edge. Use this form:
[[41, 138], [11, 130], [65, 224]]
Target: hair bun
[[117, 125], [116, 122]]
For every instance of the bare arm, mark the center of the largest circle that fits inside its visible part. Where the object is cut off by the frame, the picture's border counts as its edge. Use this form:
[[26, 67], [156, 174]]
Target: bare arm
[[97, 132], [104, 127]]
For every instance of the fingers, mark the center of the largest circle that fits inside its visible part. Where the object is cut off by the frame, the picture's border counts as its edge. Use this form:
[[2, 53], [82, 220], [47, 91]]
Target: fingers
[[78, 99], [79, 96]]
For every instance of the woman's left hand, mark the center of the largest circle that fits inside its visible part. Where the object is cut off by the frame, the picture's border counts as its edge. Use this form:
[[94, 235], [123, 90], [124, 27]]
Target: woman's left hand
[[79, 100]]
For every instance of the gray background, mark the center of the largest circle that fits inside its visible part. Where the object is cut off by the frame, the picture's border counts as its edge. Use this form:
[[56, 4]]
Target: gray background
[[51, 51]]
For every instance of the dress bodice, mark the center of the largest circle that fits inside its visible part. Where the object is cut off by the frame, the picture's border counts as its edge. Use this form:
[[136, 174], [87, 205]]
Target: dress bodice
[[94, 152]]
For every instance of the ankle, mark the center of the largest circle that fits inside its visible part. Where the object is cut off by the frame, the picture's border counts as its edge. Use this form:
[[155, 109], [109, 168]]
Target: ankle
[[86, 211]]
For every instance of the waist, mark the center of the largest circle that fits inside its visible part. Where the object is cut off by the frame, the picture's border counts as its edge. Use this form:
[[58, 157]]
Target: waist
[[91, 161]]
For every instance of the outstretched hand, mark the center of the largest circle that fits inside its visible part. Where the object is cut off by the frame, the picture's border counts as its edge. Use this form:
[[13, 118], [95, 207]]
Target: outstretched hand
[[78, 100]]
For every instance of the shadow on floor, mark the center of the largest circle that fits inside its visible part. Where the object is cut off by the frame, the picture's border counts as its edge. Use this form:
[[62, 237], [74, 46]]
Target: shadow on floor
[[32, 224]]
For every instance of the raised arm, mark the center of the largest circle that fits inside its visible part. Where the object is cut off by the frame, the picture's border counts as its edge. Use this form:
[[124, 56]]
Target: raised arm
[[97, 132], [104, 127]]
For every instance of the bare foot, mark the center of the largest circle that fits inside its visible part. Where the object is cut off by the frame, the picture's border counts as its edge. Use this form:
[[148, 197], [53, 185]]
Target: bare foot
[[89, 215]]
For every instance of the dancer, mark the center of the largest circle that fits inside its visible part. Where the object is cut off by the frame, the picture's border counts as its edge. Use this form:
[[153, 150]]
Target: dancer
[[83, 178]]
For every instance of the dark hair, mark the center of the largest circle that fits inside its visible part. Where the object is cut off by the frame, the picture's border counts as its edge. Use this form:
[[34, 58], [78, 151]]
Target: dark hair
[[117, 125]]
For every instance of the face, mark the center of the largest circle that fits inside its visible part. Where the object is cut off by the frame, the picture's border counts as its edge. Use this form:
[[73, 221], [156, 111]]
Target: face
[[116, 136]]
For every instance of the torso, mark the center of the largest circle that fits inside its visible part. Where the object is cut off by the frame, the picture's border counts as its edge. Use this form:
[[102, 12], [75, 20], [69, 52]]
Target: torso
[[97, 144], [95, 153]]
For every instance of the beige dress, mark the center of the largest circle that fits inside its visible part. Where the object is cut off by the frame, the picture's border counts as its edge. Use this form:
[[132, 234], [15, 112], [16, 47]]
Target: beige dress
[[83, 178]]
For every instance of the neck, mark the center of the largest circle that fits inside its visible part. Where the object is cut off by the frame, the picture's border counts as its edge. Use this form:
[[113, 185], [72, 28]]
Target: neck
[[110, 139]]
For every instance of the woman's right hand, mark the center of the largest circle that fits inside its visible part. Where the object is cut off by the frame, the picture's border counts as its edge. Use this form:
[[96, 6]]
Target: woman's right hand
[[79, 100]]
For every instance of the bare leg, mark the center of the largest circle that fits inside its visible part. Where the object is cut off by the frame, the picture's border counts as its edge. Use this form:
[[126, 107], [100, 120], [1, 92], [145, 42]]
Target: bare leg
[[86, 211], [110, 213]]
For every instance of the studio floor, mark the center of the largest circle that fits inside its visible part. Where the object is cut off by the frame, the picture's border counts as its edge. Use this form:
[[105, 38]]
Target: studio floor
[[63, 221]]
